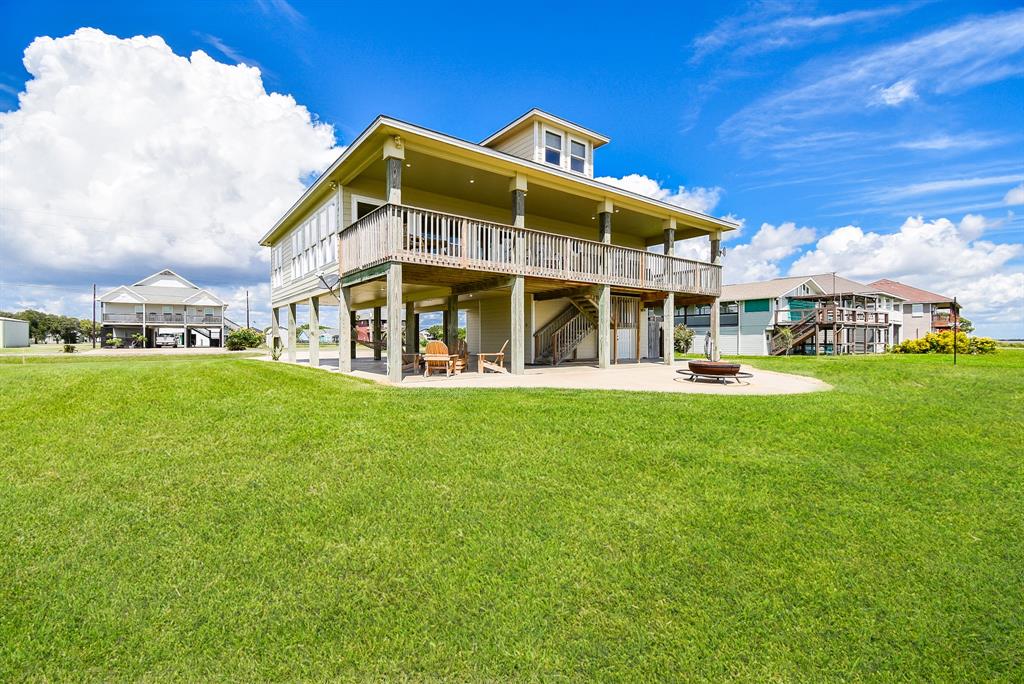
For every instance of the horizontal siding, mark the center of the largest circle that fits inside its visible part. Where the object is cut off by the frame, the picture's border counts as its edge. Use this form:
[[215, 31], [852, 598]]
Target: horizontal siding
[[745, 341], [473, 328], [489, 324], [519, 145]]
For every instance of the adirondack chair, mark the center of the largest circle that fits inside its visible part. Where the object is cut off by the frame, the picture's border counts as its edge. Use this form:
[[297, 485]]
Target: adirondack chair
[[436, 357], [460, 356], [494, 361]]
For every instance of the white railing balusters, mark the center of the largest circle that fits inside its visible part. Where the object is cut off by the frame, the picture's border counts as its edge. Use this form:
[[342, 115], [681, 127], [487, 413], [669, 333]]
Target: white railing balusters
[[422, 236]]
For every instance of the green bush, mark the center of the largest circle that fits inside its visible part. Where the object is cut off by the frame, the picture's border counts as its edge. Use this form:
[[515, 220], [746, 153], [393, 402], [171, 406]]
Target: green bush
[[244, 338], [982, 345], [682, 338], [69, 349], [942, 343]]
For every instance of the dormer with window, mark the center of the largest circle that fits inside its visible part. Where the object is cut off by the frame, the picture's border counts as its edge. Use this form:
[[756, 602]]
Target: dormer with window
[[550, 140]]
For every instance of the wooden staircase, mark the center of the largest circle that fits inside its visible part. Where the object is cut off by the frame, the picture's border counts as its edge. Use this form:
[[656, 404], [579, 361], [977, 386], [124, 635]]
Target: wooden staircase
[[806, 327], [559, 338]]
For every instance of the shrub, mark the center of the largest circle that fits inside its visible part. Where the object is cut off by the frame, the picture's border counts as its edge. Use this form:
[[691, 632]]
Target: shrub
[[982, 345], [244, 338], [942, 343], [114, 342], [682, 338], [69, 349]]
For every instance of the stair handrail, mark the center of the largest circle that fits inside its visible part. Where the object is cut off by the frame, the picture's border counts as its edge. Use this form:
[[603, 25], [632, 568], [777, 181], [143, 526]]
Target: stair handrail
[[581, 325], [542, 338]]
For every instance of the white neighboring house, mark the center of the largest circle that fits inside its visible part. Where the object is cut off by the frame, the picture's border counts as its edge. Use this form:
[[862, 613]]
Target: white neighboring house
[[13, 332], [826, 313], [165, 308]]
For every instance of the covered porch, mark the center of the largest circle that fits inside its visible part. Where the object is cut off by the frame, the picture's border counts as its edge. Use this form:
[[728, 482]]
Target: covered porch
[[652, 376]]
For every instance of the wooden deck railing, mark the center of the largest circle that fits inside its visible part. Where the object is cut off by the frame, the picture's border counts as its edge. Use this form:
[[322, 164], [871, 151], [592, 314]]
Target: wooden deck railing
[[156, 318], [420, 236], [827, 315]]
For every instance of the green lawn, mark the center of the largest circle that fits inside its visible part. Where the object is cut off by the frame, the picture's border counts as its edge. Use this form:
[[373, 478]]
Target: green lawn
[[215, 518]]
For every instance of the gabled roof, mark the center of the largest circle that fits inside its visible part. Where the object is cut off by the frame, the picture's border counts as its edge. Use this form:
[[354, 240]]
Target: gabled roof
[[535, 114], [778, 287], [183, 292], [121, 293], [163, 276], [388, 126], [198, 296], [913, 295]]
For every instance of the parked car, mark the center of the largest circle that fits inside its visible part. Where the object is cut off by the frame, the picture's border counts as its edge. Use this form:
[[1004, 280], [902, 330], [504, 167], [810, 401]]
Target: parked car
[[167, 340]]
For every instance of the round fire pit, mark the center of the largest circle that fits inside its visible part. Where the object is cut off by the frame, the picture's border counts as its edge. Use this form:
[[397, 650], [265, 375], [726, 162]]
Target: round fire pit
[[722, 371], [714, 368]]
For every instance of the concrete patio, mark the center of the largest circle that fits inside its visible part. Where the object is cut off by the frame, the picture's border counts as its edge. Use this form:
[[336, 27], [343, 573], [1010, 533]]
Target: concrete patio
[[633, 377]]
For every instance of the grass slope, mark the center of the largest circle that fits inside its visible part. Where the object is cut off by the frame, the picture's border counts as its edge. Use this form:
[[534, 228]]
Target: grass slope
[[217, 518]]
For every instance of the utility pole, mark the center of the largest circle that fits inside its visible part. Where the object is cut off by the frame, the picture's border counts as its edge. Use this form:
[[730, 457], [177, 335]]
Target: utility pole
[[247, 309], [956, 327], [94, 315]]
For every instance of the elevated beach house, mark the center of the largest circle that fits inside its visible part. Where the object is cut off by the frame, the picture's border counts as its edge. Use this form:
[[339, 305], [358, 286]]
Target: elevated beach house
[[164, 308], [824, 314], [514, 230], [923, 311]]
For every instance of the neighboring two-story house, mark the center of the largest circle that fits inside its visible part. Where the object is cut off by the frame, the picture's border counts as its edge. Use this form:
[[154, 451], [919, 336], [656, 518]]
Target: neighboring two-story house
[[164, 308], [825, 313], [923, 311], [515, 231]]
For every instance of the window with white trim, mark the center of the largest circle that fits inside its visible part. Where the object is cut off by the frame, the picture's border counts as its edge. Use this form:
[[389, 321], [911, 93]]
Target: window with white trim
[[577, 156], [917, 309], [314, 242], [277, 264], [553, 148]]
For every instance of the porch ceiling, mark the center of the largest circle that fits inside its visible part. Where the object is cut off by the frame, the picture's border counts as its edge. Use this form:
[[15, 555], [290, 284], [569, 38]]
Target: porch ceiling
[[474, 186], [430, 286]]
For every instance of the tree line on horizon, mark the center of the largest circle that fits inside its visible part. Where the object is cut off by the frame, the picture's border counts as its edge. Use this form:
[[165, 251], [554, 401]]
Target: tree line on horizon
[[67, 329]]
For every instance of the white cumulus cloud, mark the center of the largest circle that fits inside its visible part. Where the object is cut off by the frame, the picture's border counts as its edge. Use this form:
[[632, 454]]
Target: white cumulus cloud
[[123, 158], [696, 198], [1015, 196], [759, 259]]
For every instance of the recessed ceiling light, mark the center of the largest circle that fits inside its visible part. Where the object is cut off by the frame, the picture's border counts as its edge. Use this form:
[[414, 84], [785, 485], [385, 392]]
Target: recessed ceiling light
[[408, 165], [472, 180]]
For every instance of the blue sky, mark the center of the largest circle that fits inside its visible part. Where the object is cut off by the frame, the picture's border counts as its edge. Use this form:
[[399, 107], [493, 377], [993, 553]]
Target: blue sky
[[834, 125]]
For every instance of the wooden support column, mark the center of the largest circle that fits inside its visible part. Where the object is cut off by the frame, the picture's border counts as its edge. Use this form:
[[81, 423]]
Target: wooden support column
[[412, 333], [451, 321], [395, 322], [518, 189], [604, 299], [292, 332], [345, 317], [376, 333], [668, 325], [314, 332], [351, 324], [394, 155], [518, 326], [604, 326], [275, 327], [716, 314]]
